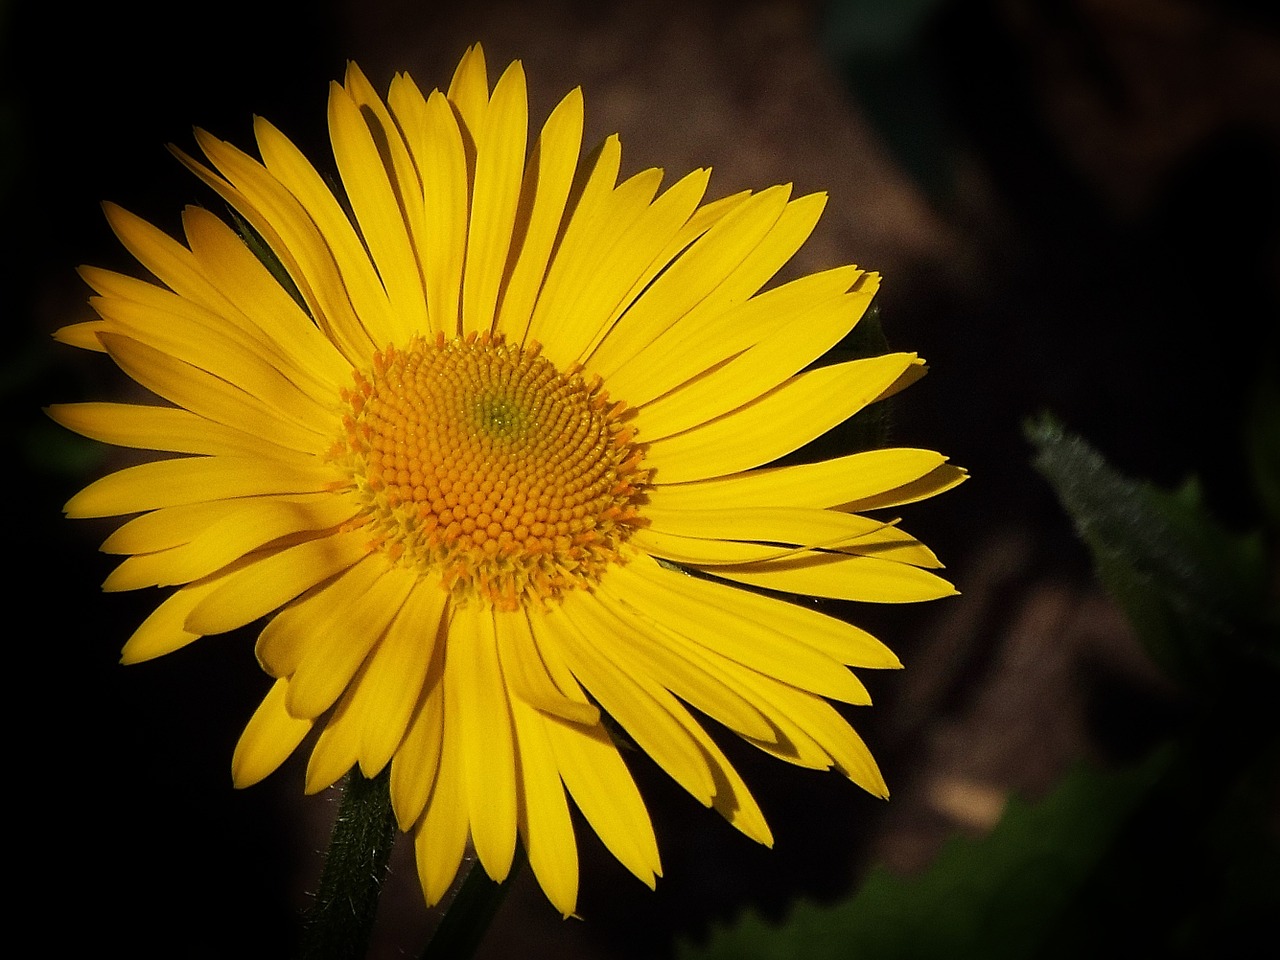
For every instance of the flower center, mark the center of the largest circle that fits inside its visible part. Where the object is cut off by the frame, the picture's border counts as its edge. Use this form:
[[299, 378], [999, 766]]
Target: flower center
[[480, 462]]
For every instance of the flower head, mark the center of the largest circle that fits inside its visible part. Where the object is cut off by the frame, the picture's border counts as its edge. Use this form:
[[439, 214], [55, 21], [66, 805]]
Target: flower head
[[485, 439]]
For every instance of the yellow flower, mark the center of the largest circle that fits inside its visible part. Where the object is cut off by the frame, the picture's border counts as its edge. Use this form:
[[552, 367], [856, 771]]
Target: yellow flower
[[491, 462]]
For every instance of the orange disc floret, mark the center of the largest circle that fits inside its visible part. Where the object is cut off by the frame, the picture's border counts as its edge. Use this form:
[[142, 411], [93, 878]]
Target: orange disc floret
[[482, 464]]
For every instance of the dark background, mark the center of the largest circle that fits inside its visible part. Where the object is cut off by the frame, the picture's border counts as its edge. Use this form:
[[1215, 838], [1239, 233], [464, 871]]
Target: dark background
[[1075, 207]]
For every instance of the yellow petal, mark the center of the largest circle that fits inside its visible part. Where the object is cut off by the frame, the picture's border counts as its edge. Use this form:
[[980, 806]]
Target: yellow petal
[[936, 481], [268, 740], [842, 577], [838, 639], [677, 667], [441, 837], [655, 594], [168, 483], [686, 350], [592, 202], [548, 177], [395, 675], [441, 157], [292, 235], [603, 790], [262, 309], [636, 245], [691, 278], [414, 766], [257, 522], [370, 187], [171, 263], [160, 428], [648, 713], [527, 674], [359, 278], [476, 694], [174, 526], [545, 824], [500, 146], [784, 419], [757, 370], [272, 581], [233, 397], [469, 88], [842, 480], [291, 634], [164, 631], [331, 659]]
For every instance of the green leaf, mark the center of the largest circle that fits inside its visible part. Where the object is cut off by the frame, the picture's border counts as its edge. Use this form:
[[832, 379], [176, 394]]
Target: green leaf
[[997, 898], [1195, 593]]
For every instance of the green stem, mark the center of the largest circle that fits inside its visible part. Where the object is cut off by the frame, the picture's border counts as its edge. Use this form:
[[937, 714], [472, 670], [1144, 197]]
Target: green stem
[[466, 921], [339, 924]]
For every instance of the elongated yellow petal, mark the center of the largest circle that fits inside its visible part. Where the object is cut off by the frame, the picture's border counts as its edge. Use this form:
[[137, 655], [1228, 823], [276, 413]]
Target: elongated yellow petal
[[601, 225], [691, 278], [288, 639], [270, 405], [676, 667], [648, 712], [373, 196], [395, 675], [168, 483], [406, 183], [164, 631], [643, 586], [359, 278], [331, 660], [842, 480], [469, 88], [500, 146], [262, 308], [527, 674], [292, 235], [83, 336], [336, 748], [545, 825], [548, 177], [174, 526], [936, 481], [842, 577], [257, 522], [592, 201], [272, 581], [413, 769], [885, 542], [755, 371], [478, 694], [838, 639], [441, 837], [780, 524], [602, 788], [172, 264], [268, 740], [637, 245], [442, 159], [160, 428], [785, 418], [687, 350]]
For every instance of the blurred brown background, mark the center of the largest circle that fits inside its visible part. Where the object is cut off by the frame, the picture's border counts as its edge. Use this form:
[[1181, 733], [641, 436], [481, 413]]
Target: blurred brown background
[[1075, 206]]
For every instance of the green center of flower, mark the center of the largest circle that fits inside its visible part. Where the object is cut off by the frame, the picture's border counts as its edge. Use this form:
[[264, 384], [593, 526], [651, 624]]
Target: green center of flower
[[480, 462]]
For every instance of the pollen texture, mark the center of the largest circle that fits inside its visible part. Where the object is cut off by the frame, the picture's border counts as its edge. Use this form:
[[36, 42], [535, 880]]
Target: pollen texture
[[481, 463]]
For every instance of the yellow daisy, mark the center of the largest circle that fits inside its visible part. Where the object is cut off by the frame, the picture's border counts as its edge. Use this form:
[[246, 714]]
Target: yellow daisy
[[484, 439]]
